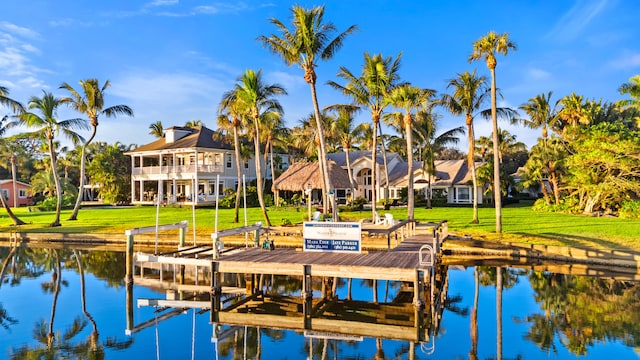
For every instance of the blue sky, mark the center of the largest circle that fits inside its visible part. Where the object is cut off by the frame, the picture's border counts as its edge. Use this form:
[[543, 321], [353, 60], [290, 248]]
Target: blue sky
[[172, 60]]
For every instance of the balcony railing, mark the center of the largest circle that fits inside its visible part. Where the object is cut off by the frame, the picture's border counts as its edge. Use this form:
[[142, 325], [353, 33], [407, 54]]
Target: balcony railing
[[182, 169]]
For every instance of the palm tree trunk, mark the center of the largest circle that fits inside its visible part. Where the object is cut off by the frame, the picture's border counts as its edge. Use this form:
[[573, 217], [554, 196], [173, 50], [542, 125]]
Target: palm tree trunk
[[56, 179], [273, 170], [12, 216], [324, 170], [407, 129], [236, 143], [12, 160], [76, 207], [472, 166], [473, 353], [256, 142], [374, 183], [350, 173], [497, 194], [386, 170]]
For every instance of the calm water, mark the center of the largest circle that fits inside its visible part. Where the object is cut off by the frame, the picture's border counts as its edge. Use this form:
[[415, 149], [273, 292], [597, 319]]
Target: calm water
[[544, 315]]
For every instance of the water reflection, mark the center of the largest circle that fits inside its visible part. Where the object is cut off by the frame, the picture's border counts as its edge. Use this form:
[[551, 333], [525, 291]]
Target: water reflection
[[70, 303]]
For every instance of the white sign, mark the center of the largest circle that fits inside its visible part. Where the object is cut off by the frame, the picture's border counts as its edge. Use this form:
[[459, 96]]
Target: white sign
[[332, 236]]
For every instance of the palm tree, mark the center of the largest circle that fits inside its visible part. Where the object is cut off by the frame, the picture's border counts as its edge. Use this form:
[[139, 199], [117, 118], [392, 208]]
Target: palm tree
[[193, 123], [231, 115], [309, 39], [409, 98], [47, 126], [258, 98], [469, 94], [156, 129], [541, 114], [91, 104], [11, 151], [271, 127], [633, 89], [572, 113], [379, 75], [485, 48], [347, 132], [430, 144], [5, 100]]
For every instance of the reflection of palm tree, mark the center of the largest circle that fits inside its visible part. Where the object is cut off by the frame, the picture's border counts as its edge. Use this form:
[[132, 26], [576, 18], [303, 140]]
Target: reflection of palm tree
[[94, 334], [473, 353]]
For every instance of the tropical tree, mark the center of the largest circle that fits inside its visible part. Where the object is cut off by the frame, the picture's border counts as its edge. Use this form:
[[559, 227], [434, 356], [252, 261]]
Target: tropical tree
[[308, 39], [47, 126], [231, 114], [16, 107], [5, 100], [14, 219], [571, 114], [156, 129], [632, 88], [379, 75], [409, 98], [193, 123], [272, 128], [258, 98], [541, 114], [430, 144], [90, 103], [486, 48], [111, 168], [345, 129], [470, 92]]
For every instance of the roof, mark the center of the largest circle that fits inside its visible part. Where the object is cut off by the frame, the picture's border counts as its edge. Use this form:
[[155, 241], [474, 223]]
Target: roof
[[448, 173], [10, 181], [199, 137], [341, 157], [301, 174]]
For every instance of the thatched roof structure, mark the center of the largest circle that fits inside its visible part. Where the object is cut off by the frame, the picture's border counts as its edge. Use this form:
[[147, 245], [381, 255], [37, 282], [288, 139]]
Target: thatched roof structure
[[301, 174]]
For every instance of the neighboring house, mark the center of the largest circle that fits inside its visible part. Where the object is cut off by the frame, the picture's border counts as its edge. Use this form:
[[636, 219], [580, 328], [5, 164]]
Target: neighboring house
[[185, 161], [22, 190], [452, 176]]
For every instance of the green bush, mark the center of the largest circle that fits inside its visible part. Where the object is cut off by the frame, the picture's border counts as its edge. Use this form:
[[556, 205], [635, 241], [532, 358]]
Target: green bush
[[49, 204], [630, 210]]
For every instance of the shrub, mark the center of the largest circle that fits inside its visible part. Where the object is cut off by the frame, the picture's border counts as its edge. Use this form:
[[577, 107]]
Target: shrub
[[630, 210]]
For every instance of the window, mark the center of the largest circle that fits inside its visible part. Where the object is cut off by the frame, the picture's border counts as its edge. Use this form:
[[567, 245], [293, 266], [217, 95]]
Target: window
[[228, 161], [463, 194], [217, 160], [246, 164], [22, 193], [5, 194]]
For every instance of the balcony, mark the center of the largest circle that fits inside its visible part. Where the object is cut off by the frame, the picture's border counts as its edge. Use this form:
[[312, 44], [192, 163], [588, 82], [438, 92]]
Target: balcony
[[178, 169]]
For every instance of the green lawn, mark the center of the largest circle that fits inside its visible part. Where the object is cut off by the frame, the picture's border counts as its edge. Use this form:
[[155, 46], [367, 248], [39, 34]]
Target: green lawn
[[520, 223]]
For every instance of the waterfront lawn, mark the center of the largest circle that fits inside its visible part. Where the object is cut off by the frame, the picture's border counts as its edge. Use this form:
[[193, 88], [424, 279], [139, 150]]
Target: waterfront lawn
[[520, 223]]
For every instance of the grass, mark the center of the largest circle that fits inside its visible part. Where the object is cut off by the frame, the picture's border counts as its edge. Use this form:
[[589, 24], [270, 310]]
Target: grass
[[519, 223]]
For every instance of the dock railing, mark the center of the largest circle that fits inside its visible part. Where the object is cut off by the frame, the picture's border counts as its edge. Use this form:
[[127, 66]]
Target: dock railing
[[404, 228], [218, 244]]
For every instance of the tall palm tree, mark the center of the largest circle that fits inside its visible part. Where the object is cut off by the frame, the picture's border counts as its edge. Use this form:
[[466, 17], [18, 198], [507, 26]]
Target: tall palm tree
[[470, 92], [430, 144], [90, 103], [486, 48], [409, 99], [379, 75], [572, 113], [258, 98], [308, 39], [156, 129], [231, 114], [271, 126], [541, 114], [16, 107], [47, 126], [347, 132]]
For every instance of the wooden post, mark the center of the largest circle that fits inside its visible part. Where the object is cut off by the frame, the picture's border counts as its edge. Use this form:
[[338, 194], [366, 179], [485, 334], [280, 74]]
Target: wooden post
[[129, 306], [418, 290], [129, 258], [181, 235], [257, 236], [307, 296], [216, 291]]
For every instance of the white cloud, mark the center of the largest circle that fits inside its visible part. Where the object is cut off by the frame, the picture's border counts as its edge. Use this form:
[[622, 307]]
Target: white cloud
[[163, 2], [539, 74], [627, 60], [570, 25], [18, 30]]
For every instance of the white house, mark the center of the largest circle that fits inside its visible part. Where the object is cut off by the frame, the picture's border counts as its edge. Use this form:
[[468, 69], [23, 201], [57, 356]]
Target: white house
[[184, 165]]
